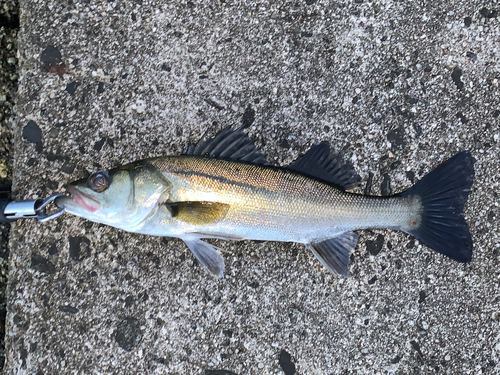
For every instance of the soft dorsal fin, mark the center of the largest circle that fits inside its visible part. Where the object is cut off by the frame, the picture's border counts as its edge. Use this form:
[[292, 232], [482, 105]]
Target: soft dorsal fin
[[228, 144], [318, 162]]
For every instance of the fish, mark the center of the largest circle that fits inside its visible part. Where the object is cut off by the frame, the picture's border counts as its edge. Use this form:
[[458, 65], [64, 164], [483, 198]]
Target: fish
[[224, 188]]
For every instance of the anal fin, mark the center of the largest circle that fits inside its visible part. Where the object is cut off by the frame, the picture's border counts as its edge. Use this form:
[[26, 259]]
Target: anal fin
[[333, 253], [207, 255]]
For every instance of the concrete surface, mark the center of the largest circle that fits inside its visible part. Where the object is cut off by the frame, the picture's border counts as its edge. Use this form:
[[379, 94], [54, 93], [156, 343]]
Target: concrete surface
[[400, 86]]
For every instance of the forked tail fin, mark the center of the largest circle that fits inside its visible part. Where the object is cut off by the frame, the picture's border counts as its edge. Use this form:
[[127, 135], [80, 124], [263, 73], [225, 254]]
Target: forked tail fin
[[443, 193]]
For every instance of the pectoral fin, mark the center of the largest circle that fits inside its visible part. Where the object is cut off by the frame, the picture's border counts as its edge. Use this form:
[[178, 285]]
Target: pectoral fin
[[333, 253], [198, 212], [207, 255]]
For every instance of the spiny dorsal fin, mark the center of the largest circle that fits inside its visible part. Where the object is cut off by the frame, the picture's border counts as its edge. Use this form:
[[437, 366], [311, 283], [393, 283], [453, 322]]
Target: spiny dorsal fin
[[318, 162], [228, 144], [197, 212]]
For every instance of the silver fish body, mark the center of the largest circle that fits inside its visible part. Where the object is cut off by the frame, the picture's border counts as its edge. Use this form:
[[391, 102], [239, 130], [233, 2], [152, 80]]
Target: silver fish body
[[223, 188], [268, 203]]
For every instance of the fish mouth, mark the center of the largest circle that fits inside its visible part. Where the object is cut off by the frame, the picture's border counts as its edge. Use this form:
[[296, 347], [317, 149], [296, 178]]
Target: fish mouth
[[80, 199]]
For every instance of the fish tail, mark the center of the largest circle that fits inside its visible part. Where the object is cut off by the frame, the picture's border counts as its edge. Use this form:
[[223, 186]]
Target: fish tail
[[443, 193]]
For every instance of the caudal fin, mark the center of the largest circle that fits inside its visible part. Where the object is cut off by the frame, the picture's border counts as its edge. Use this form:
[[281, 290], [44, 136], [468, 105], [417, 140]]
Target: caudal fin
[[443, 193]]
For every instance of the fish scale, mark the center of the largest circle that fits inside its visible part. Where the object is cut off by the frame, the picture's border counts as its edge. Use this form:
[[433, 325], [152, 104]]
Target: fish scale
[[278, 204]]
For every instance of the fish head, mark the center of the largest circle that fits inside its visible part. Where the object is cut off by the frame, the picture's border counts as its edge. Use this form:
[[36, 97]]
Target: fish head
[[123, 197]]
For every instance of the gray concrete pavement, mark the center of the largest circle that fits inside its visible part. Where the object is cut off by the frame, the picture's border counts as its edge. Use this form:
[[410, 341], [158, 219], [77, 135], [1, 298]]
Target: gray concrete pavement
[[400, 86]]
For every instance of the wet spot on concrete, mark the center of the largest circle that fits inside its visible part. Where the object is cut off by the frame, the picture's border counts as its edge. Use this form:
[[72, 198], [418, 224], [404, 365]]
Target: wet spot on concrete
[[410, 175], [71, 87], [396, 359], [285, 362], [52, 249], [98, 145], [128, 333], [456, 77], [396, 137], [374, 247], [51, 55], [369, 184], [79, 248], [386, 185], [248, 117], [214, 104], [32, 132], [40, 264], [421, 297], [68, 168], [489, 13], [462, 118], [68, 309], [411, 99]]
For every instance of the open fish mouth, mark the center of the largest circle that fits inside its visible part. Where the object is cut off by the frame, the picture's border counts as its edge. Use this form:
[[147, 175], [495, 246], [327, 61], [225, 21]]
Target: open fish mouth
[[78, 199]]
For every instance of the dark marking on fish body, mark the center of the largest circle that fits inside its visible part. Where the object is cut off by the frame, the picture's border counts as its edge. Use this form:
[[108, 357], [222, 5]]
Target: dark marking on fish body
[[410, 175], [221, 179], [214, 104]]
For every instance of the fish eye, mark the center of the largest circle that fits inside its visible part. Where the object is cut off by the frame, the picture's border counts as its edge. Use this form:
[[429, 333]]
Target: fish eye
[[98, 181]]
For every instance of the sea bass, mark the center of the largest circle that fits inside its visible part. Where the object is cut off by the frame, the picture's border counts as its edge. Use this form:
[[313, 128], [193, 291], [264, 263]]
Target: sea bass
[[224, 188]]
